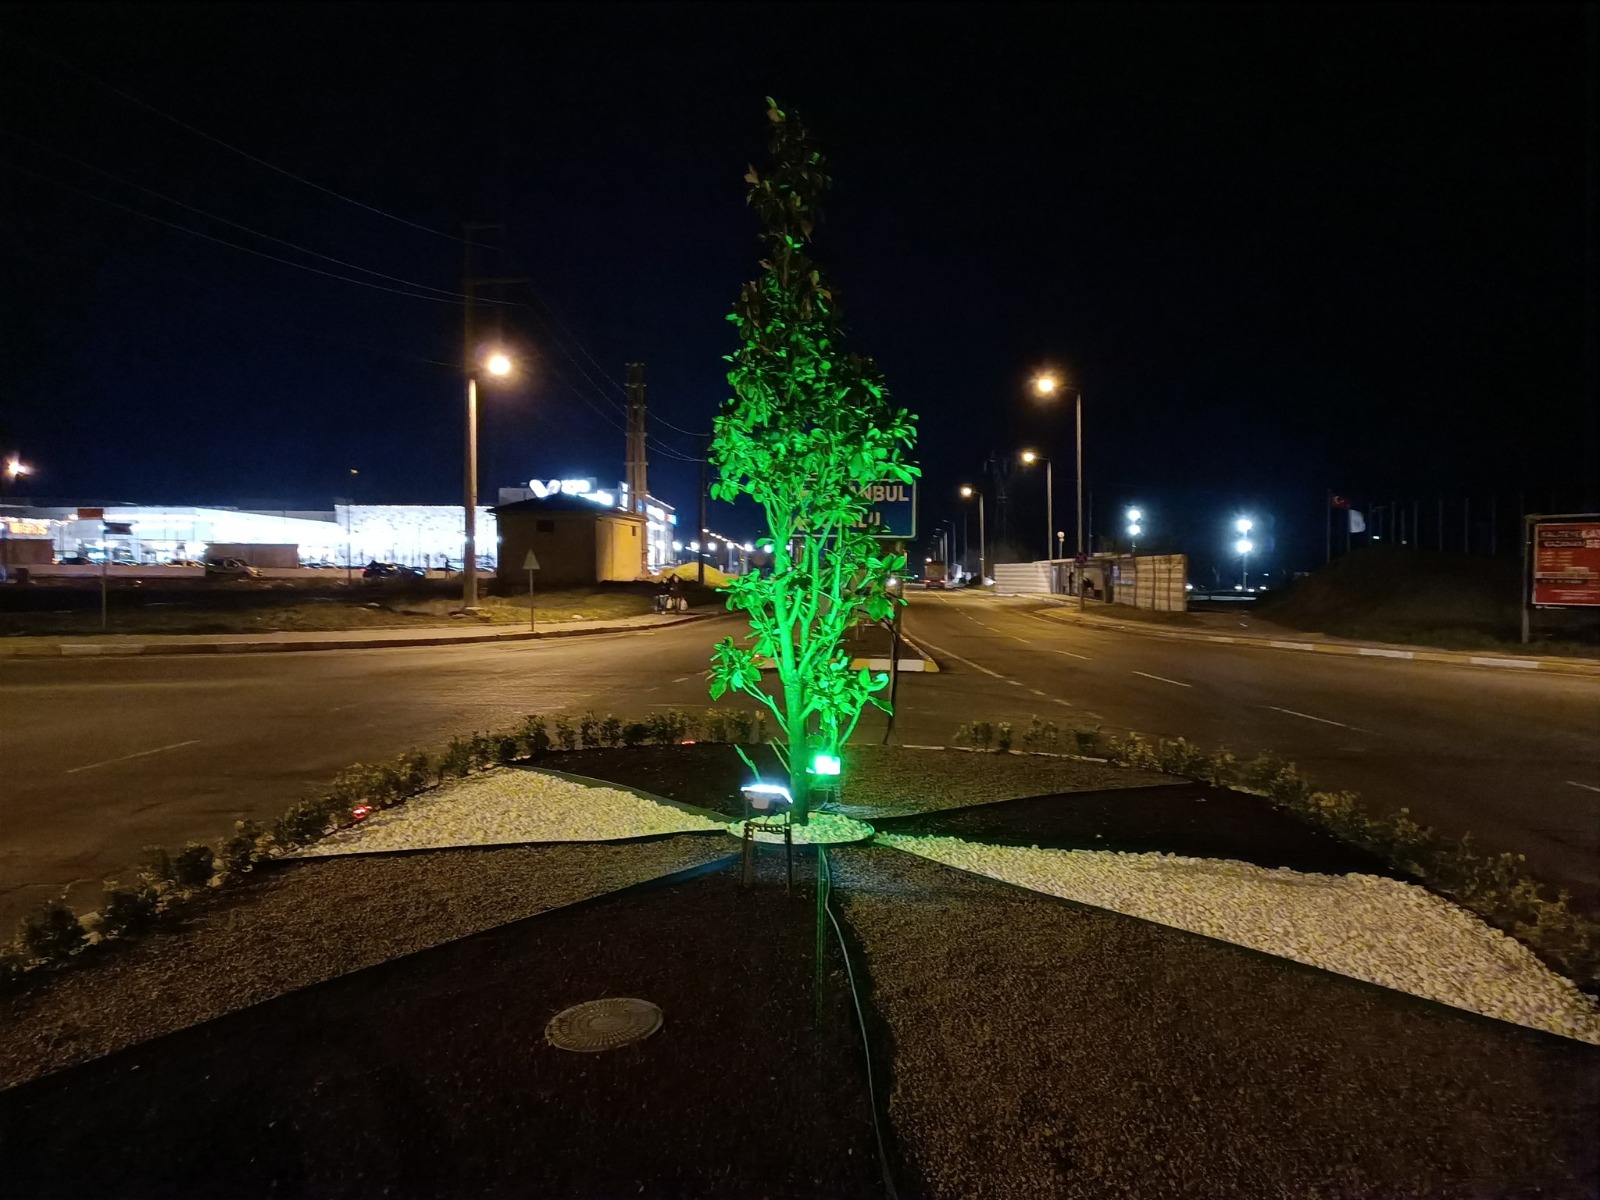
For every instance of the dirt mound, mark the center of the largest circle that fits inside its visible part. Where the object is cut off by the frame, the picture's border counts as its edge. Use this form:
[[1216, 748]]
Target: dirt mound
[[1392, 594]]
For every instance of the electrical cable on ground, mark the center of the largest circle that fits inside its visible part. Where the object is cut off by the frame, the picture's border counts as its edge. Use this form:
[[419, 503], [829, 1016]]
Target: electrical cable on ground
[[861, 1024]]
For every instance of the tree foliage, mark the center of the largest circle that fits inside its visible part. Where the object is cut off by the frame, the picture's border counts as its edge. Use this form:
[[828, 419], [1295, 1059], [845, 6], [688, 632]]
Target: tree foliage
[[809, 427]]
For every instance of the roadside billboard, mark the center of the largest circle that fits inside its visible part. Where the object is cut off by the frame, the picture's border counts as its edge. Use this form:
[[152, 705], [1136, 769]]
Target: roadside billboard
[[1566, 563]]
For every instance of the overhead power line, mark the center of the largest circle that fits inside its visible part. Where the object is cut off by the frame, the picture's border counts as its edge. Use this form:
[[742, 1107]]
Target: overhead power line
[[211, 216], [245, 154], [224, 242]]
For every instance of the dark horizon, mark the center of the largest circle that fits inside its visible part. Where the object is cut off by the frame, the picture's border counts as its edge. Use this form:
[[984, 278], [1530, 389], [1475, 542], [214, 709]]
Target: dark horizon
[[1283, 251]]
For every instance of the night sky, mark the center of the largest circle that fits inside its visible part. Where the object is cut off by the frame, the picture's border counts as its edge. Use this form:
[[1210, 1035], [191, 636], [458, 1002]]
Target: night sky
[[1281, 249]]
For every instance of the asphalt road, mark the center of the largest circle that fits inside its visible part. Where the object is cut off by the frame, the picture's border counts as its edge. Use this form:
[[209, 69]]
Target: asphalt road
[[100, 757]]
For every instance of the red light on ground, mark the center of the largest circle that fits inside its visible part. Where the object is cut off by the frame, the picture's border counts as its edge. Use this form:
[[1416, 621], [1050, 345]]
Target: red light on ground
[[360, 811]]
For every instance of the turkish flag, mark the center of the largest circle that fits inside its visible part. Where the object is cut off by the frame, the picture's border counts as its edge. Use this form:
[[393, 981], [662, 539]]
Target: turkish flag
[[1341, 502]]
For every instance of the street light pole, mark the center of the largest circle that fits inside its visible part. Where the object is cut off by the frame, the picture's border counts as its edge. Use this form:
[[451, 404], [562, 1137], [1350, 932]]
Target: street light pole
[[469, 558]]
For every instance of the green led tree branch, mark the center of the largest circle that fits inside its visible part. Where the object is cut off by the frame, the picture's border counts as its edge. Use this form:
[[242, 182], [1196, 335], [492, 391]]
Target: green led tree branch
[[808, 429]]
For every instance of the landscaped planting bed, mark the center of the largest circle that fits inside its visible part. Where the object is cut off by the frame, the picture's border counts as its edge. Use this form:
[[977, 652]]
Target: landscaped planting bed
[[300, 923], [1172, 818], [1382, 931], [510, 806], [430, 1076], [1042, 1049]]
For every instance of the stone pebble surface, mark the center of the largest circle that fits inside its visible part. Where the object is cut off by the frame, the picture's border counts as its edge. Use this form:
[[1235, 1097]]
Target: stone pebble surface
[[511, 806], [1382, 931], [301, 923]]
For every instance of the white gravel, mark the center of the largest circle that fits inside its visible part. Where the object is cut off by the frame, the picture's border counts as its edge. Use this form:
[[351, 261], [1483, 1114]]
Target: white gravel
[[1379, 930], [512, 806]]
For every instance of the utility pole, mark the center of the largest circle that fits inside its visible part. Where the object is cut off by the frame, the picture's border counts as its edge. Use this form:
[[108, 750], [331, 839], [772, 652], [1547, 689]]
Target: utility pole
[[638, 480], [470, 365]]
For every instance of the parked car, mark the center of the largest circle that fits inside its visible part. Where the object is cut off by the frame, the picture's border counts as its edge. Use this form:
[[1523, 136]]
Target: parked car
[[74, 560], [378, 570], [185, 562], [230, 568]]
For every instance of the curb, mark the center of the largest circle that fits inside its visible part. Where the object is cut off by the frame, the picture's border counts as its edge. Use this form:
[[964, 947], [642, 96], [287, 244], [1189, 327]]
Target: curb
[[1558, 666], [10, 650]]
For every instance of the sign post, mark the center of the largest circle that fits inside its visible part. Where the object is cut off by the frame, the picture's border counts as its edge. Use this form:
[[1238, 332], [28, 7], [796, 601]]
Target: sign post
[[530, 564]]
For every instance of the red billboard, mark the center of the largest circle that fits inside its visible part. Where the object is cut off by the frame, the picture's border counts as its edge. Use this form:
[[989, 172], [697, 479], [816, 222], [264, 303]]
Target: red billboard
[[1566, 563]]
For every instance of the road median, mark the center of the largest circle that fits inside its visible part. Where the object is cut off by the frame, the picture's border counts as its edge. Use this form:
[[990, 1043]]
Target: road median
[[1317, 644], [136, 645]]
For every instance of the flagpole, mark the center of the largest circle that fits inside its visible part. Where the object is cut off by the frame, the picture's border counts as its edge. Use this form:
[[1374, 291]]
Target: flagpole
[[1327, 520]]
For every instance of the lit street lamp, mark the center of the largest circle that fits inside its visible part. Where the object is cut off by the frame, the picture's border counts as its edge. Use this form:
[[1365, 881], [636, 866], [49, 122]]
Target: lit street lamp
[[498, 365], [1030, 457], [967, 493], [1134, 516], [1046, 385], [1244, 546]]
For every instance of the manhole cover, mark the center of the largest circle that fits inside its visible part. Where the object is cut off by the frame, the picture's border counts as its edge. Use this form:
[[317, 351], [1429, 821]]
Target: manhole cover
[[602, 1024]]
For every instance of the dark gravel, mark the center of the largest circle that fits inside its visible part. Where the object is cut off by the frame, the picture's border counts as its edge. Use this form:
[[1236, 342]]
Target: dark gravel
[[301, 923], [878, 780], [430, 1076], [1187, 819], [1041, 1049]]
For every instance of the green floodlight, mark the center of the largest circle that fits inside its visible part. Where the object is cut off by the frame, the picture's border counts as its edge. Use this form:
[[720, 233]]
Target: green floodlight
[[825, 764]]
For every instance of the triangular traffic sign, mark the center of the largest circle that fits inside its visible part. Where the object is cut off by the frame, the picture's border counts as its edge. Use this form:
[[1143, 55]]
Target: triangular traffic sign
[[531, 563]]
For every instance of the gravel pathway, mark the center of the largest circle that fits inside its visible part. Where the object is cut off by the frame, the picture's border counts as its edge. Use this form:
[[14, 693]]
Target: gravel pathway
[[303, 923], [1045, 1050], [1379, 930], [513, 806]]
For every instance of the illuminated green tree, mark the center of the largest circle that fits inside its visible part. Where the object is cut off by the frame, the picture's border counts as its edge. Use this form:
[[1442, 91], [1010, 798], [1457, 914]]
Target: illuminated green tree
[[809, 427]]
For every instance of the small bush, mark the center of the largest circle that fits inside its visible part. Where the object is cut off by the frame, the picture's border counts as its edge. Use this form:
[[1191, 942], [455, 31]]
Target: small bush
[[157, 869], [507, 748], [536, 735], [12, 966], [193, 866], [1133, 751], [412, 769], [1002, 737], [611, 732], [482, 751], [635, 733], [977, 734], [305, 822], [127, 910], [741, 727], [51, 932], [566, 735], [1222, 769], [456, 761], [1181, 757], [1040, 735], [588, 731], [239, 854], [1261, 770], [669, 726], [1088, 741], [714, 726]]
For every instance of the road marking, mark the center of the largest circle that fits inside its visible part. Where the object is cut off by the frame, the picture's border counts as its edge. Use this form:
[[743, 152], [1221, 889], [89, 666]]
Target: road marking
[[1293, 645], [1504, 662], [683, 679], [1588, 787], [1163, 679], [1308, 716], [967, 661], [1220, 638], [1379, 653], [1037, 692], [1068, 653], [136, 754]]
